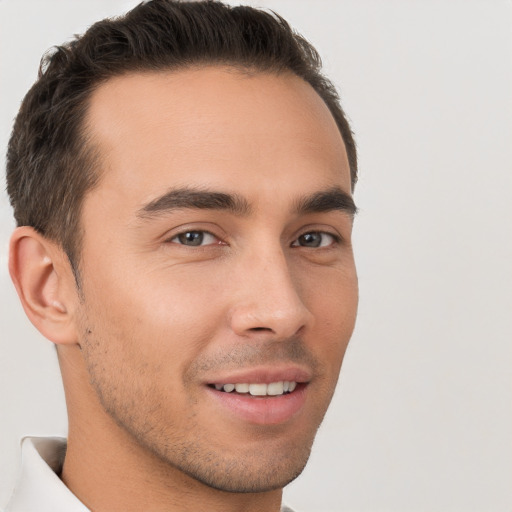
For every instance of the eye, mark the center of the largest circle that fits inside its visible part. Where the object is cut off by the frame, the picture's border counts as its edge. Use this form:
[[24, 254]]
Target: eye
[[195, 238], [315, 239]]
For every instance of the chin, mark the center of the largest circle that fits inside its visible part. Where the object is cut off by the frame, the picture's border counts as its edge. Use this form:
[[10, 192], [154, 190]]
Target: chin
[[250, 474], [264, 465]]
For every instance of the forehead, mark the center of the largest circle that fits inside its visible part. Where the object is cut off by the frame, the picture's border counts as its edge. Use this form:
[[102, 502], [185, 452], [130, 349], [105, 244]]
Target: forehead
[[213, 125]]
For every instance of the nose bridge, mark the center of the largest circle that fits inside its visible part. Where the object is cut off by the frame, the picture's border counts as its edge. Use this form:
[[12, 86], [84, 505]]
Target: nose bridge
[[269, 298]]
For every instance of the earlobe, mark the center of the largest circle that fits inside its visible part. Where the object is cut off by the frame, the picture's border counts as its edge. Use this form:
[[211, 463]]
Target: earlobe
[[43, 279]]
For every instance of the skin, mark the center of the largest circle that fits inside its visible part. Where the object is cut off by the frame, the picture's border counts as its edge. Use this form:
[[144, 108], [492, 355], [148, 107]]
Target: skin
[[156, 320]]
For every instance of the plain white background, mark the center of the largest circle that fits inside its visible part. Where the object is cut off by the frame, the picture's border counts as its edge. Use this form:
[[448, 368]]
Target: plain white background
[[422, 419]]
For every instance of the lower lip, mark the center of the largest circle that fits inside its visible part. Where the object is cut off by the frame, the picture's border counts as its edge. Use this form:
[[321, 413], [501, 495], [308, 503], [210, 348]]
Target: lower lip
[[269, 410]]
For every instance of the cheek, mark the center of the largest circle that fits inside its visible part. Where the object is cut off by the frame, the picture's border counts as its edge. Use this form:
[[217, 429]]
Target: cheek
[[334, 305], [164, 317]]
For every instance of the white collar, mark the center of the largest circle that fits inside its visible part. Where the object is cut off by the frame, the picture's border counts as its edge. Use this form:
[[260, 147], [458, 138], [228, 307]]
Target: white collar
[[39, 489]]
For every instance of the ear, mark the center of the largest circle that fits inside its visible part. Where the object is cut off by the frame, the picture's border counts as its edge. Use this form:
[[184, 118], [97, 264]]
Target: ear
[[42, 275]]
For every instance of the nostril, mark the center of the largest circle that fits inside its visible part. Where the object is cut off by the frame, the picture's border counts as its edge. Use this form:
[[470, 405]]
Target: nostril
[[258, 329]]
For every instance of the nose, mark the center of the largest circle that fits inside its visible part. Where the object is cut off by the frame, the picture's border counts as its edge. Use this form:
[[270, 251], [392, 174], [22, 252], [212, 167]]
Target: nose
[[267, 300]]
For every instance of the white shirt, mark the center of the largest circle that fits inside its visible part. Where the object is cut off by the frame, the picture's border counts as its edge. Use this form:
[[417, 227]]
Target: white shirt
[[39, 488]]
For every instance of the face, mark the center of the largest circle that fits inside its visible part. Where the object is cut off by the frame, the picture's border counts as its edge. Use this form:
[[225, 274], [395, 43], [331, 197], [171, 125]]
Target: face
[[217, 255]]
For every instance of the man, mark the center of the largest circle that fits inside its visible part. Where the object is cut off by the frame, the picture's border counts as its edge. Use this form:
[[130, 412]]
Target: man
[[182, 182]]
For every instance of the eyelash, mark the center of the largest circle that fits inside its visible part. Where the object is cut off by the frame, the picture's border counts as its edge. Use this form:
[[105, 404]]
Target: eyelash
[[336, 239]]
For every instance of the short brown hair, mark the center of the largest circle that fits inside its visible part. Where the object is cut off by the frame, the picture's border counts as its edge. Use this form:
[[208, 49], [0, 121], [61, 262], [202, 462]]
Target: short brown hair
[[51, 166]]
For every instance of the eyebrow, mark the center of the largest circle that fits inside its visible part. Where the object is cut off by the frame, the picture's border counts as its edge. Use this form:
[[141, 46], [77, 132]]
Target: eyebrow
[[191, 198], [331, 199]]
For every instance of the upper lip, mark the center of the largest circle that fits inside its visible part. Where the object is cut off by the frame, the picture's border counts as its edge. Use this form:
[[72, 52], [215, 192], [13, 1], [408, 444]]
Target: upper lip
[[262, 375]]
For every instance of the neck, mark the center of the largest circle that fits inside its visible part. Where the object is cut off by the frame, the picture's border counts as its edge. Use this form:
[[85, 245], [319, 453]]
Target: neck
[[108, 470]]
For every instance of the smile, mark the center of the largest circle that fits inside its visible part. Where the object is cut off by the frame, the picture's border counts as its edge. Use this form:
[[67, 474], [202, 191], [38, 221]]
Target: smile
[[259, 389]]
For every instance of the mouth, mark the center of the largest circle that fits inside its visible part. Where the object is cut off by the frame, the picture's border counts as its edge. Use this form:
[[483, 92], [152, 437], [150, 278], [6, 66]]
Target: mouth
[[271, 389], [262, 397]]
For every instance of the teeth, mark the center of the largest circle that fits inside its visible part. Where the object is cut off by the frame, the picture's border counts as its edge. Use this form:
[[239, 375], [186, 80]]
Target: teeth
[[259, 389], [242, 388], [275, 388]]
